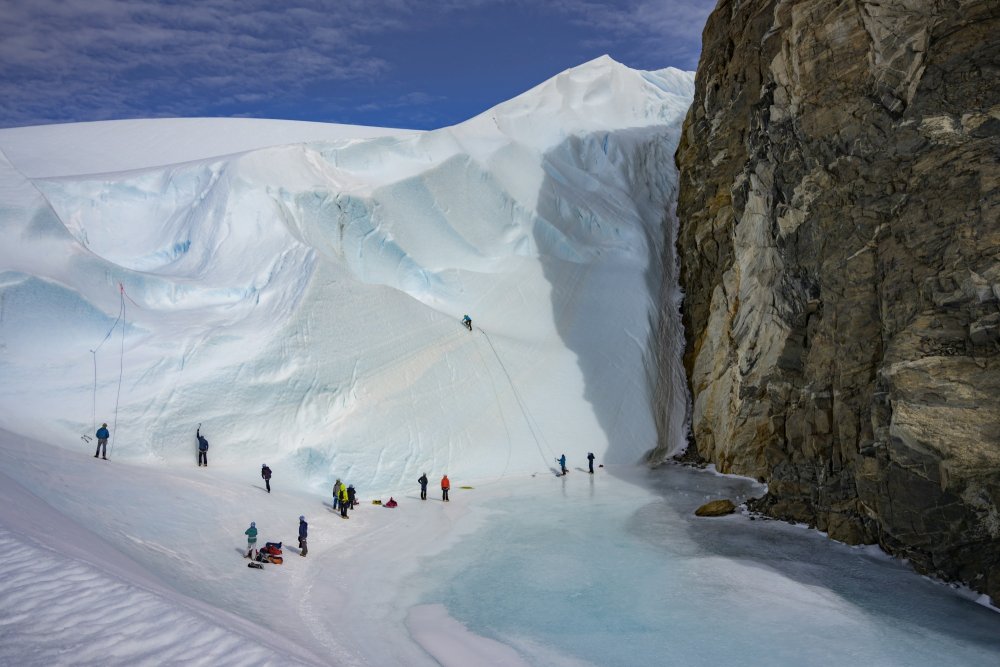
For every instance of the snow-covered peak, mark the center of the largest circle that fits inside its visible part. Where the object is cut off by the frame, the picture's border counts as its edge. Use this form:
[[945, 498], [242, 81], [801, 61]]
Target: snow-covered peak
[[591, 97]]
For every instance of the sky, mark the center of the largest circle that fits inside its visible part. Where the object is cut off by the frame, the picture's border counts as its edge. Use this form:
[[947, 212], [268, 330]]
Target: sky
[[418, 64]]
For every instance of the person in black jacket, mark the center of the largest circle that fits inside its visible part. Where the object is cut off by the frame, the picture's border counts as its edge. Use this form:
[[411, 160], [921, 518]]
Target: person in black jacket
[[202, 448], [423, 486], [303, 534], [265, 472], [350, 495]]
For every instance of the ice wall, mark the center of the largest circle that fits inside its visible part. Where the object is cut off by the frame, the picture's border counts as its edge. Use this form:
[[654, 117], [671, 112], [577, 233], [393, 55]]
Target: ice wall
[[302, 301]]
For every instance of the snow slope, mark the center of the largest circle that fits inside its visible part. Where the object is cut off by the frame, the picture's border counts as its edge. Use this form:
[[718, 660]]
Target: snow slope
[[302, 300]]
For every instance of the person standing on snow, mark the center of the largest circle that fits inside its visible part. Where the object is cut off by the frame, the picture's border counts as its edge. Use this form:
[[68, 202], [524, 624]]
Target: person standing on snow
[[303, 534], [343, 501], [102, 442], [351, 494], [202, 448], [251, 534], [590, 460], [336, 494], [562, 463], [265, 472], [445, 485], [423, 486]]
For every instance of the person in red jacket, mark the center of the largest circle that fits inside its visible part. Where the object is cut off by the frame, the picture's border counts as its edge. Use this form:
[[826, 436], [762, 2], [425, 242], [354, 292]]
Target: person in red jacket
[[445, 485]]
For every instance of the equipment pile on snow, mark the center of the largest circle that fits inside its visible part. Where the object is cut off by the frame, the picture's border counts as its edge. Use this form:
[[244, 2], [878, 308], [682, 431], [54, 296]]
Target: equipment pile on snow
[[271, 553]]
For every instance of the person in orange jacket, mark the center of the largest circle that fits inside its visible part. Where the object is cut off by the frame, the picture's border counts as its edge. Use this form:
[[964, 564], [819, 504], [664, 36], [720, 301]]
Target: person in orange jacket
[[445, 485]]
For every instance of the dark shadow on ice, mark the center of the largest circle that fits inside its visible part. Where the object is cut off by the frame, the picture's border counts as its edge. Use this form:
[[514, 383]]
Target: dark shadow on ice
[[580, 229], [870, 581]]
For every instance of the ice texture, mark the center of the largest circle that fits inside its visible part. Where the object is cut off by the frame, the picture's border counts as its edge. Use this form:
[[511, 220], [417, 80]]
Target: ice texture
[[615, 569], [302, 301]]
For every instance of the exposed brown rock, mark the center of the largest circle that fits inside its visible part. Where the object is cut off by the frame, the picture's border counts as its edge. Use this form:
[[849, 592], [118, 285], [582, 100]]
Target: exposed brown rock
[[716, 508], [840, 252]]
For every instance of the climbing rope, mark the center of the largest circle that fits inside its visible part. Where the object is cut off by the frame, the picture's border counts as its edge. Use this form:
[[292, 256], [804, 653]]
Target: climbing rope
[[496, 395], [533, 427], [121, 365], [121, 369]]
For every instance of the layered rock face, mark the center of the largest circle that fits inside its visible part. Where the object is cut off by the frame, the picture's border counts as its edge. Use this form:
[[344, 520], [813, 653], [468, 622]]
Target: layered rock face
[[840, 253]]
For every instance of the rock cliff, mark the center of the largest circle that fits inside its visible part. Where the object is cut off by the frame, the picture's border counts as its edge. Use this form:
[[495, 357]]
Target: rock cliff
[[840, 253]]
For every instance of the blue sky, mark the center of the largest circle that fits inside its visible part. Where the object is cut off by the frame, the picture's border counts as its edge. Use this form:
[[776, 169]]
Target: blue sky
[[393, 63]]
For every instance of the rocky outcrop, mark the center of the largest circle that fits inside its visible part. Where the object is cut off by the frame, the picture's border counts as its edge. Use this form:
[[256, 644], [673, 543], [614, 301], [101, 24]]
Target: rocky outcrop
[[840, 253]]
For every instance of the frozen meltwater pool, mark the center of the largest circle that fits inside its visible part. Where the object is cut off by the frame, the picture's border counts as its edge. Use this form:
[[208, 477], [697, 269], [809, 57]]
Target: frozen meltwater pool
[[615, 569]]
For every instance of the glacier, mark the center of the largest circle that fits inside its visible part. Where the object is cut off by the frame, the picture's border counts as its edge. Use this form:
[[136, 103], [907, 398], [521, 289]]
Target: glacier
[[296, 290], [301, 299]]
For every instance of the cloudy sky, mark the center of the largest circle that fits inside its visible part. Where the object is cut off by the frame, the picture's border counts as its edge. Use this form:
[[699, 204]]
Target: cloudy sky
[[393, 63]]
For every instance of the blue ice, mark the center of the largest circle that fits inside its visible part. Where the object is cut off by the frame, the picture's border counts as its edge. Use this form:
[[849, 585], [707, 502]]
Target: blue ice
[[614, 569]]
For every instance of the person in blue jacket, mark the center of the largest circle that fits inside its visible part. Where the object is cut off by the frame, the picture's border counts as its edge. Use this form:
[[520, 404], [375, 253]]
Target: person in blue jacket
[[303, 534], [562, 463], [202, 448], [102, 442]]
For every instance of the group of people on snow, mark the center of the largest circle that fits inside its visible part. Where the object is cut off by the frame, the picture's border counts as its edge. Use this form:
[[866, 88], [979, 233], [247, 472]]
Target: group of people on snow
[[344, 497], [251, 534], [562, 463], [445, 487]]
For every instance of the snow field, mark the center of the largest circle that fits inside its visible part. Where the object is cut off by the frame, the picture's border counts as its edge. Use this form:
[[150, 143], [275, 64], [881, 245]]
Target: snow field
[[58, 610], [606, 569]]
